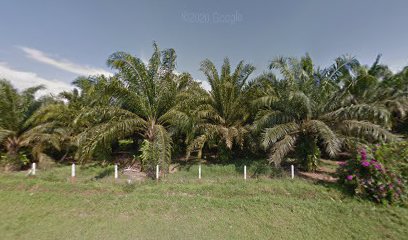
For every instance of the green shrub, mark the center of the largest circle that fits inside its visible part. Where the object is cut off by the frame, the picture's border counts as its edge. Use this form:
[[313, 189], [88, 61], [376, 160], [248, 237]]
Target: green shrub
[[394, 156], [125, 144], [264, 168], [308, 154], [151, 156], [374, 178], [14, 163]]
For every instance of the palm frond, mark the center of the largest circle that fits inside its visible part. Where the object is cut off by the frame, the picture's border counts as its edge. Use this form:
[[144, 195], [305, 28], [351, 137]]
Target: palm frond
[[281, 149], [267, 118], [272, 135], [330, 140], [208, 68], [197, 144], [104, 134], [163, 140], [4, 133], [367, 130], [368, 112]]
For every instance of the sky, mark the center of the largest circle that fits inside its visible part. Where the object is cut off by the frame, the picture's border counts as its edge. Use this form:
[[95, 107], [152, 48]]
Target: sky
[[53, 42]]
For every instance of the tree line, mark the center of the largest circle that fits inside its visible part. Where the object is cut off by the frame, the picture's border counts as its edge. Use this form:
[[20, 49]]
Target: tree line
[[294, 110]]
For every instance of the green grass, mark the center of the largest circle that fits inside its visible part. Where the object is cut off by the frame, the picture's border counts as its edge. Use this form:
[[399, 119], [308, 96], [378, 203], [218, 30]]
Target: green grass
[[220, 206]]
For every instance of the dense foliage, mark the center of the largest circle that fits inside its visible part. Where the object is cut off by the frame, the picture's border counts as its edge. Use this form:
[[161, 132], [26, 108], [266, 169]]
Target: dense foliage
[[223, 113], [296, 110], [375, 174], [309, 109], [394, 156], [17, 135]]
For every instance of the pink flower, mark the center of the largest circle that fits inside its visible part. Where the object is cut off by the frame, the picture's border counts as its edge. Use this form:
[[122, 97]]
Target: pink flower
[[349, 177], [365, 163], [363, 154], [378, 166]]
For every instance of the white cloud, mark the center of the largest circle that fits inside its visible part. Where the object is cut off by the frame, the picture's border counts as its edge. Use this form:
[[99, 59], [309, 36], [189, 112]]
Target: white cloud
[[206, 85], [63, 64], [396, 64], [22, 80], [397, 67]]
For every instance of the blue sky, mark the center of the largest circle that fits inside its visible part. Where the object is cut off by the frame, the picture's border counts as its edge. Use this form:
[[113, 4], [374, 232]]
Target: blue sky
[[52, 42]]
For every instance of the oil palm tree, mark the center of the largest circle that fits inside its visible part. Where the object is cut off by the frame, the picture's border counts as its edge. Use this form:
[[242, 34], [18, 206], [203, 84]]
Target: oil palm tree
[[369, 86], [143, 102], [307, 112], [16, 133], [223, 113], [399, 83], [63, 114]]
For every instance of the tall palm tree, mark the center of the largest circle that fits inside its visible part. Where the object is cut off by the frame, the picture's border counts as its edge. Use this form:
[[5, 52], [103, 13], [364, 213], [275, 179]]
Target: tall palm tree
[[308, 112], [87, 94], [143, 102], [224, 110], [16, 132], [371, 86], [398, 80], [399, 83]]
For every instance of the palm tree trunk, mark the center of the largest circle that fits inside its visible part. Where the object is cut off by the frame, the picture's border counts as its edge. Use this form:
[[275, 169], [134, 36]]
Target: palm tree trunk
[[150, 132], [12, 147]]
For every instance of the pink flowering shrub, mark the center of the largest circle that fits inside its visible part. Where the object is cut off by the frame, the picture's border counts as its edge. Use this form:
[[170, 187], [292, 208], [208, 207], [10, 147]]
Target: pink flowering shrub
[[370, 178]]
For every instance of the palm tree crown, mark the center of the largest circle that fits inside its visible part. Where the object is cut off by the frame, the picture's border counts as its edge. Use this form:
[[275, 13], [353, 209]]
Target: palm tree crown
[[223, 112], [306, 112], [16, 132], [143, 102]]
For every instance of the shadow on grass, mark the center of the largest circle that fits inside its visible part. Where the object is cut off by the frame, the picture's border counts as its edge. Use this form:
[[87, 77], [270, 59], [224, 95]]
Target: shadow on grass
[[337, 187], [99, 170], [328, 184], [186, 165], [104, 173]]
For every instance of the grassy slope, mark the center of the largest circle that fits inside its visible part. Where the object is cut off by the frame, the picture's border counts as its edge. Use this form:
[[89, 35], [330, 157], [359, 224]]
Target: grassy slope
[[221, 206]]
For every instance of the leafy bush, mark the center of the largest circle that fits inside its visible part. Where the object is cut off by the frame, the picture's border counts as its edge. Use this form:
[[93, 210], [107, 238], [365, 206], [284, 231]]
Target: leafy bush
[[125, 144], [394, 156], [370, 177], [15, 162], [151, 156], [308, 154]]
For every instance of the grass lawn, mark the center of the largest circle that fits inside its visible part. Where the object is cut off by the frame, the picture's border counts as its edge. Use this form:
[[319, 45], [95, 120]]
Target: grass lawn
[[220, 206]]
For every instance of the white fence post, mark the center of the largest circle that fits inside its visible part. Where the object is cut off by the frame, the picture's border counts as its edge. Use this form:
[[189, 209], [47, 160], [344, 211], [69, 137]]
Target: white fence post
[[292, 168], [245, 172], [157, 172], [73, 170], [116, 171], [199, 171], [33, 168]]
